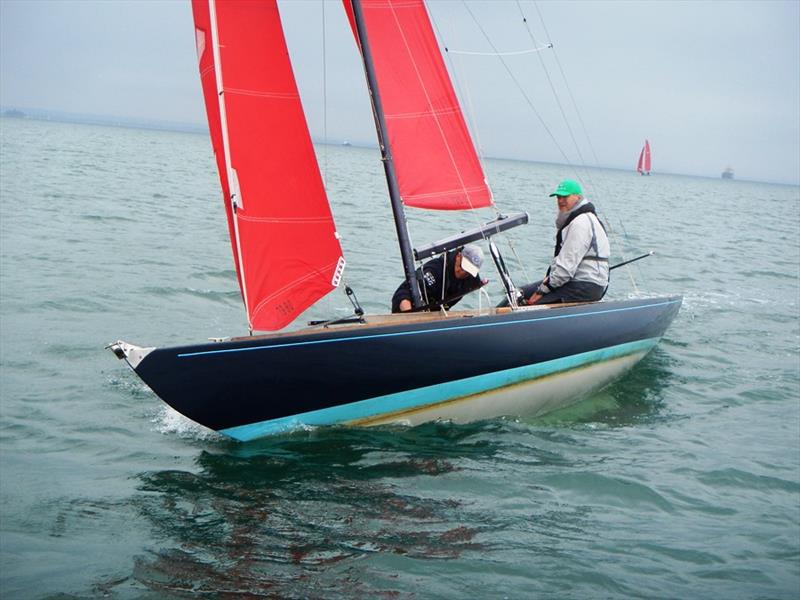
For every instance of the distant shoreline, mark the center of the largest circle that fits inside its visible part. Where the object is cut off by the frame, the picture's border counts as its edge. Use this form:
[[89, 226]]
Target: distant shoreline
[[130, 123], [85, 119], [195, 128]]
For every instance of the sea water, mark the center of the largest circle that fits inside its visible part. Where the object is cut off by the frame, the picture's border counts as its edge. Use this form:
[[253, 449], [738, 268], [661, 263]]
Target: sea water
[[681, 480]]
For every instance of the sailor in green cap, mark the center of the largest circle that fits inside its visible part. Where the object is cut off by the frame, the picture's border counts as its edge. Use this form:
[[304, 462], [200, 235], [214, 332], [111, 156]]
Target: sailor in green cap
[[579, 269]]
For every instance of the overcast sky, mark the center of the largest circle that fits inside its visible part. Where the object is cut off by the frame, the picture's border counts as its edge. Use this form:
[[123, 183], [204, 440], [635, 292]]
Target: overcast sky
[[710, 84]]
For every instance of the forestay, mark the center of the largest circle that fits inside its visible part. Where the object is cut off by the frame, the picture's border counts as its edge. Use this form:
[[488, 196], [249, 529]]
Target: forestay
[[284, 239]]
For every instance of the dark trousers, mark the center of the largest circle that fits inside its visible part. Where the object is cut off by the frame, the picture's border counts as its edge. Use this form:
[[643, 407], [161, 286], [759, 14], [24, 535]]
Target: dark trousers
[[572, 291]]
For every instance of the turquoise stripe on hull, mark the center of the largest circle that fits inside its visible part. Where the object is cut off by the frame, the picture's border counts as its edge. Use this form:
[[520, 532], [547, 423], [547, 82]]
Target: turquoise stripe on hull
[[431, 395]]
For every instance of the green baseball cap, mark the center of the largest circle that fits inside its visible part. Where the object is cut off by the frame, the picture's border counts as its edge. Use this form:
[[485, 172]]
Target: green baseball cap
[[567, 188]]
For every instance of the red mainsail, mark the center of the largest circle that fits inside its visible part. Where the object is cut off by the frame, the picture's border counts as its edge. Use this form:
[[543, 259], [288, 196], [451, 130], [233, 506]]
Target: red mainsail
[[435, 160], [284, 240], [643, 166]]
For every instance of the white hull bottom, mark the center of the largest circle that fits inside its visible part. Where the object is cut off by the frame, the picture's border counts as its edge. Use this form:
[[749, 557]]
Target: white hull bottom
[[526, 399]]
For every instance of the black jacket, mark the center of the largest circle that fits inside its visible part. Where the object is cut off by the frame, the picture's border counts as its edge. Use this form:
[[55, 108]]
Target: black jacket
[[438, 288]]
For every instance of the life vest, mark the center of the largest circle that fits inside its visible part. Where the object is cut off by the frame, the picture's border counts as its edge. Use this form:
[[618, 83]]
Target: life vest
[[586, 208]]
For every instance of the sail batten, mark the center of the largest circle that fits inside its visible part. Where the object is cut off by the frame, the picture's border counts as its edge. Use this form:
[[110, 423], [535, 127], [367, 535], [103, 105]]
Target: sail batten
[[435, 160], [283, 237]]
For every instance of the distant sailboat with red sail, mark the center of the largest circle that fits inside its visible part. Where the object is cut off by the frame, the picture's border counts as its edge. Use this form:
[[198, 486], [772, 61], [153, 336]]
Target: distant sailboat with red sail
[[643, 166], [369, 369]]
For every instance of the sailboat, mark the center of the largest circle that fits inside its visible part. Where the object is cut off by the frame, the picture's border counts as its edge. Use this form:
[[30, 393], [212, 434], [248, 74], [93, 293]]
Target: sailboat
[[643, 166], [367, 369]]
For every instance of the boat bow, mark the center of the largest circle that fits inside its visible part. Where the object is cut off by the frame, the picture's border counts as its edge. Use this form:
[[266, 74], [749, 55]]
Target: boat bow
[[131, 353]]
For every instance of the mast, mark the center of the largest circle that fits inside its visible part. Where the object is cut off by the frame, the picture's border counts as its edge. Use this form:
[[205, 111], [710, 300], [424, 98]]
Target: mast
[[406, 251]]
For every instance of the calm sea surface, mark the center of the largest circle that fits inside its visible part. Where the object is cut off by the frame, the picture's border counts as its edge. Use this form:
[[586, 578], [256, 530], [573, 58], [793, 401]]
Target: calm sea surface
[[682, 480]]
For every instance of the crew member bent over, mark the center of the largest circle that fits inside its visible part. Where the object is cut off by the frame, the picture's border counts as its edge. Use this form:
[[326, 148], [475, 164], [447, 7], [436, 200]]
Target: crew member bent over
[[444, 280]]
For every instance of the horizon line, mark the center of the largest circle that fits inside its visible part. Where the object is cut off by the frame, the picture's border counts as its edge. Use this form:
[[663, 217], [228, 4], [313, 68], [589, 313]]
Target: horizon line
[[41, 114]]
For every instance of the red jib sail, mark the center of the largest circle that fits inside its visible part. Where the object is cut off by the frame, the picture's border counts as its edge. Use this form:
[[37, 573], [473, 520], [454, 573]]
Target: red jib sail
[[436, 163], [284, 240], [643, 166]]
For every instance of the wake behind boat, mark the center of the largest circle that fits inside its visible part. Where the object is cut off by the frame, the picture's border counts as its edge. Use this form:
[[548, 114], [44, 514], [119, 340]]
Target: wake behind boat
[[368, 370]]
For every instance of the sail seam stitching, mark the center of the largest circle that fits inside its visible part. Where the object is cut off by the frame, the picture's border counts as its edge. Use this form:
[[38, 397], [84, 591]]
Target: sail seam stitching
[[246, 92], [475, 188], [442, 135], [433, 113], [291, 285], [386, 4], [286, 219]]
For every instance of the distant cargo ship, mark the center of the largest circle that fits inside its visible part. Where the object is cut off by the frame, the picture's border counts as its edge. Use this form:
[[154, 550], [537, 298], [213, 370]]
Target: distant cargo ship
[[727, 173]]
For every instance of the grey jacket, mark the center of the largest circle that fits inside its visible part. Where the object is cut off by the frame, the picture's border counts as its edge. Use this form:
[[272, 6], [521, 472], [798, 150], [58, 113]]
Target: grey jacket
[[583, 242]]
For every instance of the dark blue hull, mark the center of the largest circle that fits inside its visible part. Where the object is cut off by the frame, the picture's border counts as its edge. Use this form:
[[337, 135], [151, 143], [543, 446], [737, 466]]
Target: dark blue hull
[[255, 386]]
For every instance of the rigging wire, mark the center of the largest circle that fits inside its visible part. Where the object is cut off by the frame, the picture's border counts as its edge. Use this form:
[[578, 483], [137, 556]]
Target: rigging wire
[[463, 88], [324, 99], [430, 104], [344, 285], [628, 267], [555, 95], [471, 113], [525, 95], [569, 89], [329, 301], [481, 293], [511, 53], [520, 262], [473, 213], [595, 189]]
